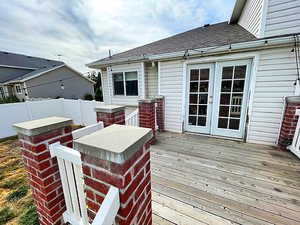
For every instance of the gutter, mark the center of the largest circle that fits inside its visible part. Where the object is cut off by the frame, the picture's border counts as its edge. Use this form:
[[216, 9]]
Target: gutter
[[260, 44]]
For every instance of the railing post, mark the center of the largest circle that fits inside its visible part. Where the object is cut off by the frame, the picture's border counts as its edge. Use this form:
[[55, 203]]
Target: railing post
[[289, 122], [147, 116], [160, 112], [42, 170], [110, 114], [118, 156]]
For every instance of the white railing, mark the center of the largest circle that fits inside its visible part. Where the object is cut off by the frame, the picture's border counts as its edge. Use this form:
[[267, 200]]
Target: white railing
[[70, 169], [87, 130], [295, 146], [109, 208], [133, 119]]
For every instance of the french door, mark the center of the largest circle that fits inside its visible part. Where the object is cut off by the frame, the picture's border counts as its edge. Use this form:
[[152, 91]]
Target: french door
[[217, 98]]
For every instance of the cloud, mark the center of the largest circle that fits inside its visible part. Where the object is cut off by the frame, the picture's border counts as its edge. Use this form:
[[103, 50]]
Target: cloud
[[84, 30]]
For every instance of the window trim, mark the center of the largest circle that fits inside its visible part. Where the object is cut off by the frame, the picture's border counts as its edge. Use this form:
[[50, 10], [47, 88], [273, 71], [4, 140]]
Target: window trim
[[124, 83], [19, 86]]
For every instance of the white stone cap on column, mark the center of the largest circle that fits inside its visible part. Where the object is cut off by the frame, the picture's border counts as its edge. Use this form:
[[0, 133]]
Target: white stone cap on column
[[109, 108], [36, 127], [115, 143], [147, 100]]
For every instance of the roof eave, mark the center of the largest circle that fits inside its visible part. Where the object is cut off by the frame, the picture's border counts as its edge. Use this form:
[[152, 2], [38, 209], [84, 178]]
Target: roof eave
[[237, 11]]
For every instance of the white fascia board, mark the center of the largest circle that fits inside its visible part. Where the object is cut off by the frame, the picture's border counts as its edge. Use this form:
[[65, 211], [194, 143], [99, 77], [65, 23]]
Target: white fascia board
[[238, 46], [96, 64], [18, 67]]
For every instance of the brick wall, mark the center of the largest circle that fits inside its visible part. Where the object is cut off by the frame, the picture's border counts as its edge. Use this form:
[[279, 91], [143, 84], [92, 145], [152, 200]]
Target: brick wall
[[147, 115], [43, 172], [289, 122], [111, 114]]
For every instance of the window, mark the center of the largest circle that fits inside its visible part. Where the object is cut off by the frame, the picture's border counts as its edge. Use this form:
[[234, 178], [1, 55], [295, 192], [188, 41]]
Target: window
[[2, 92], [125, 83], [18, 89]]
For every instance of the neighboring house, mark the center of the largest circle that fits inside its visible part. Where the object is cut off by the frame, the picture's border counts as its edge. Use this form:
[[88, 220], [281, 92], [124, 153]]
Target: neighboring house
[[227, 79], [31, 77]]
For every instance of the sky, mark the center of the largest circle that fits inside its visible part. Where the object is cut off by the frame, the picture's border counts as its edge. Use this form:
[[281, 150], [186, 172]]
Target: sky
[[82, 31]]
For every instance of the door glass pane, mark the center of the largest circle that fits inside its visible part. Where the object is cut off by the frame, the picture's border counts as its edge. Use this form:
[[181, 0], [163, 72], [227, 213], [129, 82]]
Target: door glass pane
[[224, 111], [227, 72], [195, 75], [235, 111], [203, 98], [204, 87], [226, 86], [238, 86], [234, 124], [193, 99], [240, 72], [193, 110], [192, 120], [194, 86], [225, 99], [237, 99], [201, 121], [223, 123], [202, 110], [204, 74]]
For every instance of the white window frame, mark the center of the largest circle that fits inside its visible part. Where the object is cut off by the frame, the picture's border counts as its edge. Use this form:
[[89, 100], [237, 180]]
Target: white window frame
[[124, 83], [20, 89]]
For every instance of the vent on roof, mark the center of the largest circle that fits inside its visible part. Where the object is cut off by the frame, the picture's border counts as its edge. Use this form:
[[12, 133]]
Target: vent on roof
[[206, 25]]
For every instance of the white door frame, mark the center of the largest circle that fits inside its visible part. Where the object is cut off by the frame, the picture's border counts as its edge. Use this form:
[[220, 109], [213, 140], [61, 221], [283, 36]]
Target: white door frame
[[207, 128], [214, 59]]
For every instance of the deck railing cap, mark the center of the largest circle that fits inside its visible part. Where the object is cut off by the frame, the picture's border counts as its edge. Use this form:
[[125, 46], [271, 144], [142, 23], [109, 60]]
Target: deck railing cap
[[148, 100], [109, 108], [36, 127], [115, 143]]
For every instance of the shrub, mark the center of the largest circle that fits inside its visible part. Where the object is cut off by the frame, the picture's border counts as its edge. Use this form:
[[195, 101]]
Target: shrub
[[10, 99], [98, 95], [29, 217], [88, 97], [6, 214], [17, 194], [8, 184]]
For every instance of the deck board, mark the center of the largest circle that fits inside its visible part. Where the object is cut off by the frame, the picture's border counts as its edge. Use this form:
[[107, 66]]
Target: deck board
[[202, 180]]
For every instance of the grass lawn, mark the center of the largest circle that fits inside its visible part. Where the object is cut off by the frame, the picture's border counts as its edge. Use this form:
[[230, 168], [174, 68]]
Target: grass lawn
[[16, 204]]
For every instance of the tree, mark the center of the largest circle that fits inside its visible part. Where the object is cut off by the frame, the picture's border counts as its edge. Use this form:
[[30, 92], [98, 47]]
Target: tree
[[96, 77]]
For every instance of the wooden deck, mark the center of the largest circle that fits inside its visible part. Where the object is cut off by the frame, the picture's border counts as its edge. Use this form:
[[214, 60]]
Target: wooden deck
[[201, 180]]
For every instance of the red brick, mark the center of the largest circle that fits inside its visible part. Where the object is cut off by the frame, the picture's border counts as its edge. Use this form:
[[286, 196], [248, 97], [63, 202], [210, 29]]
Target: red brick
[[142, 186], [93, 206], [107, 178], [124, 211], [131, 188], [141, 163], [96, 185]]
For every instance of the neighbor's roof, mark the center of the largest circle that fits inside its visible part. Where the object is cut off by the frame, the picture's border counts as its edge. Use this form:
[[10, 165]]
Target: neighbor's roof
[[219, 34]]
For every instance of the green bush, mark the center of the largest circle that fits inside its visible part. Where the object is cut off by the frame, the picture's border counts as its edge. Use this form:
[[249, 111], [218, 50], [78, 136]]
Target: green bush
[[98, 95], [10, 99], [29, 217], [9, 184], [88, 97], [17, 194], [6, 214]]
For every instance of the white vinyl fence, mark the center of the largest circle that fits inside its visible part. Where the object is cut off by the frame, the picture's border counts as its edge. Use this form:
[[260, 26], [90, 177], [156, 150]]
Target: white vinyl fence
[[82, 112]]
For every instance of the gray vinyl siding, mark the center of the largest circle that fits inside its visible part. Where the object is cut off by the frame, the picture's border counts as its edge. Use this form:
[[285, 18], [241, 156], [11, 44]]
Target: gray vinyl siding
[[48, 85], [275, 79], [251, 17], [151, 78], [283, 17], [171, 87], [124, 100]]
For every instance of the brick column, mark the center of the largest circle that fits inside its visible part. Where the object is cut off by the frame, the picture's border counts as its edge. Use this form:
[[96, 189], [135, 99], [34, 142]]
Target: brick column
[[119, 156], [147, 115], [42, 170], [110, 114], [160, 112], [289, 122]]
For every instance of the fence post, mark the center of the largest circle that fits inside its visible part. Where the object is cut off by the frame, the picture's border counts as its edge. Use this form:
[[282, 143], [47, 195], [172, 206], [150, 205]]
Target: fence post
[[110, 114], [147, 116], [160, 112], [119, 156], [42, 170]]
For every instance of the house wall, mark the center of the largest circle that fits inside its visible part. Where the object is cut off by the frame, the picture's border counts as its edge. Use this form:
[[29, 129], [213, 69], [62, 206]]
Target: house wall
[[251, 17], [151, 78], [105, 88], [275, 79], [282, 17], [49, 86], [122, 100], [7, 73], [171, 78]]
